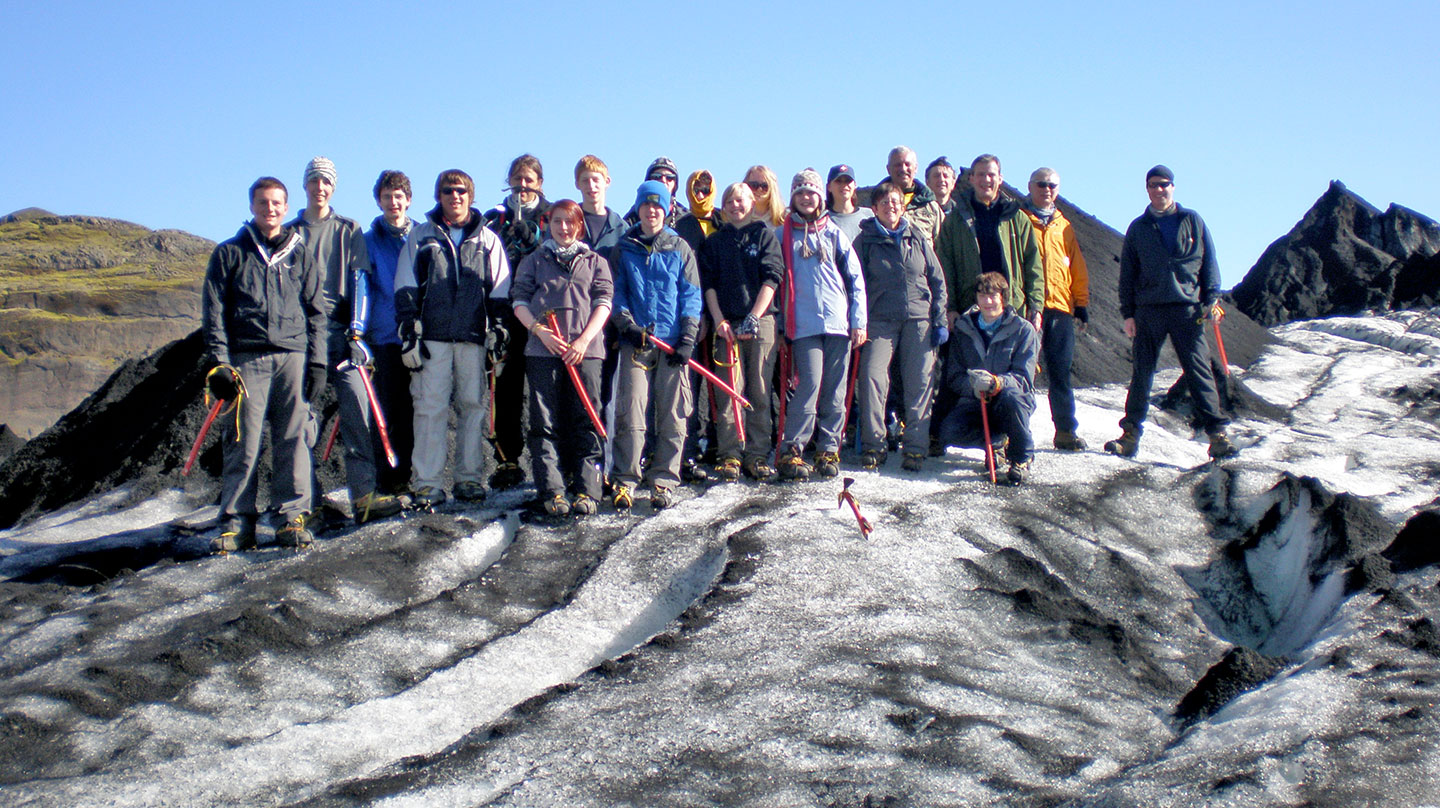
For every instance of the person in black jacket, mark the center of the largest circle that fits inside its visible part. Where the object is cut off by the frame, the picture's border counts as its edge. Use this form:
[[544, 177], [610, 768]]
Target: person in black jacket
[[263, 321], [740, 270], [1169, 287]]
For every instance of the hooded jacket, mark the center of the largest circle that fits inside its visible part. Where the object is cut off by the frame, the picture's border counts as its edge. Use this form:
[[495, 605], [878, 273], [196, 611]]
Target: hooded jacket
[[903, 279], [1012, 355], [824, 290], [523, 240], [959, 253], [657, 286], [737, 262], [1153, 273], [383, 244], [543, 284], [450, 287], [1067, 280], [255, 300]]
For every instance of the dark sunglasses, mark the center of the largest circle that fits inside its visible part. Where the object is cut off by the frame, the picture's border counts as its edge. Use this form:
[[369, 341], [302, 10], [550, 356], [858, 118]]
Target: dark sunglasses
[[454, 190], [703, 191], [1051, 186], [1160, 184], [758, 185]]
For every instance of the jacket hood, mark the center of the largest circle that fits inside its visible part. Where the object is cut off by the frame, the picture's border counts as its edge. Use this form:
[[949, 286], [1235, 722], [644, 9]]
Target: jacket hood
[[437, 216]]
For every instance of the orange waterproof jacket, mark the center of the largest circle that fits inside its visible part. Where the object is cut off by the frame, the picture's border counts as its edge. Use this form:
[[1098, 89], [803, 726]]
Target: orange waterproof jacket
[[1067, 282]]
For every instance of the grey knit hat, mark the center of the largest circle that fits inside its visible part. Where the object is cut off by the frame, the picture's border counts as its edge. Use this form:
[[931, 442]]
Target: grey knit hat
[[807, 180], [320, 167]]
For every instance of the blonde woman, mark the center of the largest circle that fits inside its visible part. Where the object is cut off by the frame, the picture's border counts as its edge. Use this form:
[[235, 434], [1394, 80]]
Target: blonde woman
[[769, 205]]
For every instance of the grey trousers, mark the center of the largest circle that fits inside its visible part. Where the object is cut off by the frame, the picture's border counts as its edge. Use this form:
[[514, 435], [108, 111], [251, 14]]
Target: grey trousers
[[274, 393], [452, 370], [910, 342], [645, 375], [755, 375], [818, 404], [357, 422]]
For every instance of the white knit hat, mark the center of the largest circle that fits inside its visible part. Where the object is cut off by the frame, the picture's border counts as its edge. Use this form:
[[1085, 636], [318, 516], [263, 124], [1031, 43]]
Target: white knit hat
[[807, 180]]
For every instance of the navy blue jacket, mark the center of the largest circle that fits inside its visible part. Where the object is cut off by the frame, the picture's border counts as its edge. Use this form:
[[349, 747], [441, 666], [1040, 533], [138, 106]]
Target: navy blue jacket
[[383, 244], [254, 300], [1012, 355], [448, 287], [1153, 273]]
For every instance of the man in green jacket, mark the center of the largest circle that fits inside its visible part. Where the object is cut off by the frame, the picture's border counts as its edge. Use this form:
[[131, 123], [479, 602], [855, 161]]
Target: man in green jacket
[[987, 232]]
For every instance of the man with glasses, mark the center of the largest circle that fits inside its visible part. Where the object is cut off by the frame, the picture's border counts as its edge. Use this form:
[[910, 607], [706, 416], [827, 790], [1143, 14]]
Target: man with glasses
[[663, 169], [1169, 287], [1067, 300], [451, 279]]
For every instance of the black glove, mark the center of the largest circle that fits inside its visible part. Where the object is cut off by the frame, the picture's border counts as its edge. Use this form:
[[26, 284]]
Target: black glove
[[360, 353], [314, 381], [222, 383], [497, 342], [749, 326], [684, 350], [630, 331], [412, 351], [1082, 314]]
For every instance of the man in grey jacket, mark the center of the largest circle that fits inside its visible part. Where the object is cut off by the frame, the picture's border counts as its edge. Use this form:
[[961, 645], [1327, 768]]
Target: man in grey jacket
[[336, 246], [263, 321], [1169, 287]]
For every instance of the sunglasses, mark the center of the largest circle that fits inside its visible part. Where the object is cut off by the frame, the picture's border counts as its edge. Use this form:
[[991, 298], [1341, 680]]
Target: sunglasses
[[461, 190], [1160, 184], [758, 185], [703, 191], [1051, 186]]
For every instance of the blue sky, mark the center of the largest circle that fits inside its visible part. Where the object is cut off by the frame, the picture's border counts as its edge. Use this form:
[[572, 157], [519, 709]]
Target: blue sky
[[163, 113]]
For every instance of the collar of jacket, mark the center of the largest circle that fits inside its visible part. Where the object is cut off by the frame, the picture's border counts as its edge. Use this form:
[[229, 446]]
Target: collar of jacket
[[1030, 211], [474, 223], [872, 230], [381, 225], [290, 239], [1179, 210], [665, 240], [921, 196], [965, 206], [1009, 322]]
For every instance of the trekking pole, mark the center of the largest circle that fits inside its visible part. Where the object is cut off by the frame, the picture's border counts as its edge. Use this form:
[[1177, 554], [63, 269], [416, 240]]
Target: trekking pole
[[734, 354], [704, 372], [380, 425], [575, 379], [210, 418], [989, 448], [1220, 341], [846, 496], [784, 396]]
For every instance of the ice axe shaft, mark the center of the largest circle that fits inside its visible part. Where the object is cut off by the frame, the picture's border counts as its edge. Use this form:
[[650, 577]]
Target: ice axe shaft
[[989, 447], [735, 384], [200, 438], [330, 442], [850, 385], [575, 380], [374, 401], [1220, 345], [704, 372]]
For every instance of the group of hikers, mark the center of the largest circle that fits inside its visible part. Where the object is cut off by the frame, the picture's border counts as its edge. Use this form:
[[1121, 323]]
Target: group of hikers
[[738, 332]]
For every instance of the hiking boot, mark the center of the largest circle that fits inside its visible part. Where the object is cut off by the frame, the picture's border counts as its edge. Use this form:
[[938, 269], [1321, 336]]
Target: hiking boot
[[793, 467], [873, 459], [584, 505], [728, 469], [1220, 446], [1067, 440], [913, 462], [472, 491], [692, 473], [1018, 472], [624, 497], [827, 465], [557, 506], [757, 469], [236, 534], [1127, 445], [506, 476], [427, 498], [374, 506], [661, 497], [294, 534]]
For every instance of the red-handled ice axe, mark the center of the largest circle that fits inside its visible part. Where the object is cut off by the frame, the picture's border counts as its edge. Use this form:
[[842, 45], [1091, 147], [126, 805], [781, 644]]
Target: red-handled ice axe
[[734, 362], [846, 496], [989, 447], [575, 379], [704, 372], [1219, 313], [374, 401], [212, 414]]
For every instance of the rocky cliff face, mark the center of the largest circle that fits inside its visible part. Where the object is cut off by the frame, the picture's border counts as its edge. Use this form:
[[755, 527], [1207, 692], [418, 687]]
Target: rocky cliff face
[[78, 296], [1345, 257]]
